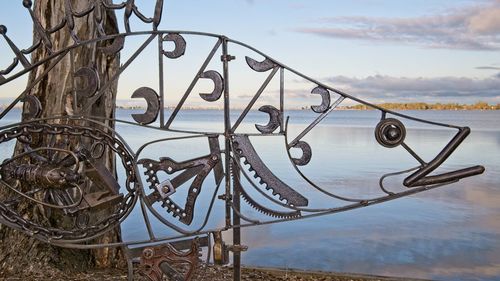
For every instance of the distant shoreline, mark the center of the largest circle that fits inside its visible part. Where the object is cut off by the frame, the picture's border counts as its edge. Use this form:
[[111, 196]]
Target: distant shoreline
[[391, 106], [427, 106]]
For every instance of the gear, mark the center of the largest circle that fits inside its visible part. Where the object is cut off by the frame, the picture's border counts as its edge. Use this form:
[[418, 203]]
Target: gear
[[243, 148]]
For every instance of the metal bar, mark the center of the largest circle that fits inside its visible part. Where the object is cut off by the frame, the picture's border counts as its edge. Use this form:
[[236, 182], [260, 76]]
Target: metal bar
[[439, 159], [329, 211], [254, 99], [450, 176], [236, 230], [227, 132], [17, 52], [316, 122], [157, 128], [282, 98], [162, 89], [147, 221], [193, 83], [340, 92], [310, 181], [412, 153], [228, 163], [28, 89], [111, 81]]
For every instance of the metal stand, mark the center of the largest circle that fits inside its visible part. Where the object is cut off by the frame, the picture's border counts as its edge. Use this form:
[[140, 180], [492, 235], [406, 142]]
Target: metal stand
[[235, 198], [236, 233]]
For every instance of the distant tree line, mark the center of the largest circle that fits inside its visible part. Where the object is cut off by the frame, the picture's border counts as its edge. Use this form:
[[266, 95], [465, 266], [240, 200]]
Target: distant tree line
[[426, 106]]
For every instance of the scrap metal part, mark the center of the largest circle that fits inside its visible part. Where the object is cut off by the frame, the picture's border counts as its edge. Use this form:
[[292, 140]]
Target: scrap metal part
[[157, 261], [54, 177], [244, 148], [275, 120], [197, 168], [259, 207]]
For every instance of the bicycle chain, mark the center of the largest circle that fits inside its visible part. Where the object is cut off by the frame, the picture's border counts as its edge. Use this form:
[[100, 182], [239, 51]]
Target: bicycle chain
[[103, 225]]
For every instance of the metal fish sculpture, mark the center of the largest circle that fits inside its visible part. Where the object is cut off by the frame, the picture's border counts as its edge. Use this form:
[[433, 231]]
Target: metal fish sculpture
[[56, 175]]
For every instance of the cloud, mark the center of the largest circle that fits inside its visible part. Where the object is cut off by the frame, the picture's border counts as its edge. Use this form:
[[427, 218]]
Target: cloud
[[488, 68], [384, 88], [470, 28], [440, 89]]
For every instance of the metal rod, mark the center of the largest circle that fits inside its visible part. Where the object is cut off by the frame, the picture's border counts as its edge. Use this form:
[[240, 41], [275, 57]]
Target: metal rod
[[282, 97], [254, 99], [193, 83], [316, 122], [162, 94], [111, 81], [236, 230], [228, 163], [227, 132], [326, 212], [340, 92], [147, 221], [412, 153], [26, 64], [28, 89]]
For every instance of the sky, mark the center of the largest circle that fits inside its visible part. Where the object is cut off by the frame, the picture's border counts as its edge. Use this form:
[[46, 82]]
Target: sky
[[377, 50]]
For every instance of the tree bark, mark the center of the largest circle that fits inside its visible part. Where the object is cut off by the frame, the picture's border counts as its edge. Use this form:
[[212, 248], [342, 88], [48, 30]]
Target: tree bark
[[18, 252]]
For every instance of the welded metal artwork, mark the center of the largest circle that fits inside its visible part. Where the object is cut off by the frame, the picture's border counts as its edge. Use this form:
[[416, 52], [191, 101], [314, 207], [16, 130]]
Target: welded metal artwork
[[60, 160]]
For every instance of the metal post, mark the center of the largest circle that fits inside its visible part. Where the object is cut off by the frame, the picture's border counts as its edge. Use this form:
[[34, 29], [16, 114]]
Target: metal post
[[236, 230], [230, 167], [162, 77], [227, 131]]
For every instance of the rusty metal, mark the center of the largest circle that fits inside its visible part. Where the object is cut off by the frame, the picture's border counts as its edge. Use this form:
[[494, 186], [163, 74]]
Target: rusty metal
[[259, 207], [262, 66], [244, 148], [218, 85], [390, 132], [157, 261], [275, 120], [194, 168], [153, 105], [179, 43], [56, 176], [325, 100], [63, 177]]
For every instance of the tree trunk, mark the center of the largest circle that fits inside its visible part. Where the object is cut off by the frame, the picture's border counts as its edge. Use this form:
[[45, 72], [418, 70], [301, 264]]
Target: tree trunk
[[18, 252]]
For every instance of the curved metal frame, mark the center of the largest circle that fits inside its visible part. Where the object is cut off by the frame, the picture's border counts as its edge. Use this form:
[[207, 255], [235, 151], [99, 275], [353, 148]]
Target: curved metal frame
[[228, 170]]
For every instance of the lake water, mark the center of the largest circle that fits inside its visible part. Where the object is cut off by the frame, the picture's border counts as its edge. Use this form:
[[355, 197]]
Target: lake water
[[449, 233]]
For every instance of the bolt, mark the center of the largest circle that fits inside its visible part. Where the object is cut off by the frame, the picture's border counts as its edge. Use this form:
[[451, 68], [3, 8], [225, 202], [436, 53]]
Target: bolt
[[164, 189], [3, 29], [148, 253]]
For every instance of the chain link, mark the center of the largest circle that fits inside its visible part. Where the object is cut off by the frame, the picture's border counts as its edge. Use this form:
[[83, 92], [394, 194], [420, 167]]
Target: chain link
[[103, 225]]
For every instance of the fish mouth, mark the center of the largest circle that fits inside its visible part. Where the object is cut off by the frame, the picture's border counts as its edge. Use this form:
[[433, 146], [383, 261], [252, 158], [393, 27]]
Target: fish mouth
[[421, 177]]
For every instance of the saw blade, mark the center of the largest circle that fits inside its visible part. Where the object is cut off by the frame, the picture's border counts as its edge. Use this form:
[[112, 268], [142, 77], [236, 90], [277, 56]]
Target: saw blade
[[244, 148], [262, 209]]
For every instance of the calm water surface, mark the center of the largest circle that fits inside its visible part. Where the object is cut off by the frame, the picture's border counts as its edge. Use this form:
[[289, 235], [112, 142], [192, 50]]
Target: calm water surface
[[449, 233]]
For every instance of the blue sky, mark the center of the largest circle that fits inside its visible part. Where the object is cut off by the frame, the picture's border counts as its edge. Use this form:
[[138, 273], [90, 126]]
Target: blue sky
[[379, 50]]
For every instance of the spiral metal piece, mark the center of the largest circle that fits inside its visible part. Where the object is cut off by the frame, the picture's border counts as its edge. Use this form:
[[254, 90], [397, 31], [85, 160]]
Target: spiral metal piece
[[390, 132]]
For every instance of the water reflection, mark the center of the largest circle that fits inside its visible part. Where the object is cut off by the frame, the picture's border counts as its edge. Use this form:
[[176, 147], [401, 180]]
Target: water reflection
[[451, 233]]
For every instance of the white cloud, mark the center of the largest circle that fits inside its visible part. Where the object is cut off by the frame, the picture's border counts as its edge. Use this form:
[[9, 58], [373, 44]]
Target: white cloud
[[440, 89], [471, 28], [383, 88]]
